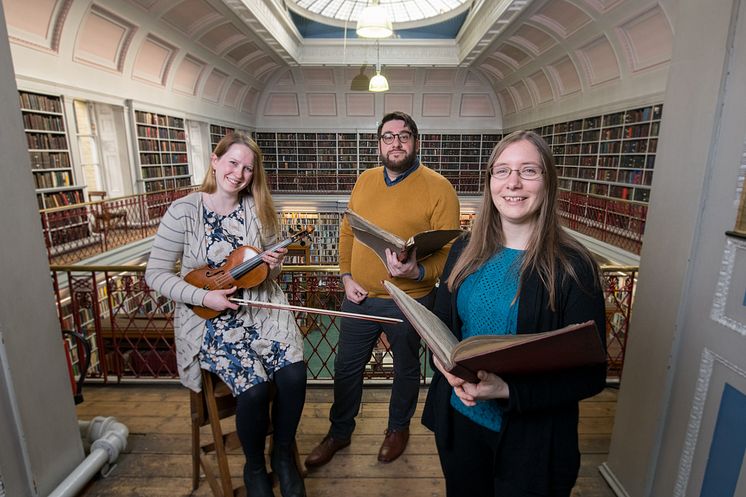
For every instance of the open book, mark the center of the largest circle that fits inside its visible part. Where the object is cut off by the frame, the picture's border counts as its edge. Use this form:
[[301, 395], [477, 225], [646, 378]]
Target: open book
[[572, 346], [378, 239]]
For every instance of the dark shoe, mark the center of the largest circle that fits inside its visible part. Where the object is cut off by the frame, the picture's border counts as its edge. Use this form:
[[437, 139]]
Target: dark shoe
[[393, 445], [257, 482], [283, 465], [323, 452]]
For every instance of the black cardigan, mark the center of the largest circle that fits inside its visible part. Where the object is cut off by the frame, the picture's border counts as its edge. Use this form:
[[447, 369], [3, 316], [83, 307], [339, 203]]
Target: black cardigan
[[538, 444]]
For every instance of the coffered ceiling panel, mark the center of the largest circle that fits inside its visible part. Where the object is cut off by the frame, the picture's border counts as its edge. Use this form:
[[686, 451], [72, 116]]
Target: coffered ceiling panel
[[318, 76], [214, 85], [568, 79], [473, 105], [522, 53], [523, 99], [599, 60], [36, 23], [506, 102], [233, 94], [647, 39], [532, 40], [516, 55], [187, 75], [322, 104], [561, 17], [153, 60], [398, 101], [191, 16], [540, 86], [242, 53], [221, 38]]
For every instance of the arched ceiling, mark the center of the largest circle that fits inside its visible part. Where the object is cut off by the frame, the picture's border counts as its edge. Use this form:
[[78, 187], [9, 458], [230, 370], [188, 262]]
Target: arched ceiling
[[528, 55]]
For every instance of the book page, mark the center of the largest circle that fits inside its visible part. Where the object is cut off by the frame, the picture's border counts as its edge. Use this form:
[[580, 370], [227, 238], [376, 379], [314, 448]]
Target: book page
[[431, 241], [375, 238], [572, 346], [438, 338]]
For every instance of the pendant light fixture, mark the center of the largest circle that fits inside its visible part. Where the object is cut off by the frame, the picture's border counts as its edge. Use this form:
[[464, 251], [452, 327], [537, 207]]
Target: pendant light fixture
[[378, 82], [374, 22]]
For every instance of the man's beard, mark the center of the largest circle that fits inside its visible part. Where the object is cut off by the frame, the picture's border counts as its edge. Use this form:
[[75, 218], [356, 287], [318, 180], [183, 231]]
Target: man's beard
[[401, 165]]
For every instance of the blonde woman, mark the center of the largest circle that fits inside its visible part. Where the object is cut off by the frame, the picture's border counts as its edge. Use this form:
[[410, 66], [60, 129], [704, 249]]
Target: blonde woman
[[246, 347]]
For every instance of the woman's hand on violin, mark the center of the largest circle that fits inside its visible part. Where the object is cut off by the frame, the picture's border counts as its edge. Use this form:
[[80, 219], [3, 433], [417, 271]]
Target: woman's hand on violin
[[217, 300], [274, 259], [490, 386]]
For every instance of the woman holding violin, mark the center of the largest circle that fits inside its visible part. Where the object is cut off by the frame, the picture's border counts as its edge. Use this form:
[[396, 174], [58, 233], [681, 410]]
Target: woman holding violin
[[245, 346]]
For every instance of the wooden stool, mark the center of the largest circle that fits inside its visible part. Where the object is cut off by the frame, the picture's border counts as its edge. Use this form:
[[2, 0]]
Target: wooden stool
[[213, 403]]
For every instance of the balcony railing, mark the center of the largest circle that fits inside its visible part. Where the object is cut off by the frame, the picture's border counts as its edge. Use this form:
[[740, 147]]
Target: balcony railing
[[73, 233], [80, 231], [130, 328], [617, 222]]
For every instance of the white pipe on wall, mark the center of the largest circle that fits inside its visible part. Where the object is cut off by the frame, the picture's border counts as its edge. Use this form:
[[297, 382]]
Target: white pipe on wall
[[108, 438]]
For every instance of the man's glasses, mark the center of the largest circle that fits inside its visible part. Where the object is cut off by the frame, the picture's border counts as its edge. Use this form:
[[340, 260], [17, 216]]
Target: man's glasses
[[526, 172], [388, 138]]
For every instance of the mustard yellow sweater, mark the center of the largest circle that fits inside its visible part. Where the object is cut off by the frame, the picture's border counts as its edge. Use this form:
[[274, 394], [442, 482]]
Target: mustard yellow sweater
[[422, 201]]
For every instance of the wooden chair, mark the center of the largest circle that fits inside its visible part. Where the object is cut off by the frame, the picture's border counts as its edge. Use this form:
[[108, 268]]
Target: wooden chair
[[214, 403], [106, 218]]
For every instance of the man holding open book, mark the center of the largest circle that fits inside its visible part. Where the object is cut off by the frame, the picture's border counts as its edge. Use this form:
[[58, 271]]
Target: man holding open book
[[404, 198]]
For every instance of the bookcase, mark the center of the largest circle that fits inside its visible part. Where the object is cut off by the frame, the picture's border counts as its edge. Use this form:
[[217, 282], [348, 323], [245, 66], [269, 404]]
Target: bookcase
[[51, 167], [331, 161], [46, 137], [611, 155], [161, 151], [217, 132], [606, 163], [323, 249]]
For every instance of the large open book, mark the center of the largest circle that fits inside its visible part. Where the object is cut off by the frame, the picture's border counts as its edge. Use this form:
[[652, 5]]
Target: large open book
[[378, 239], [572, 346]]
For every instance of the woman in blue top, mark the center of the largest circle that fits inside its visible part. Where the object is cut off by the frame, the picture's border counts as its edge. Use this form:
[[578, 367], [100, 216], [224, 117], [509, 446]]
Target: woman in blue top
[[518, 272]]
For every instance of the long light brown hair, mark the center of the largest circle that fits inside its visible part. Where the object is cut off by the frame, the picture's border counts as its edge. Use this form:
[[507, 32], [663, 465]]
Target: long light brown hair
[[257, 187], [546, 251]]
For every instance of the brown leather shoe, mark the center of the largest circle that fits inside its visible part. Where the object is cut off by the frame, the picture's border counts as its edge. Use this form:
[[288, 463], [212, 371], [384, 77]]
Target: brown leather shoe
[[323, 452], [393, 445]]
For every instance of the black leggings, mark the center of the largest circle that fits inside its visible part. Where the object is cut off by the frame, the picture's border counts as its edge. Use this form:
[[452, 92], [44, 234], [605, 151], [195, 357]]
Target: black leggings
[[252, 412]]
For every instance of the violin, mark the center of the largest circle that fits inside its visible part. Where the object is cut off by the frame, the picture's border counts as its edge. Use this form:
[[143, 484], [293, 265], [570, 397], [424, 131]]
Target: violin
[[243, 268]]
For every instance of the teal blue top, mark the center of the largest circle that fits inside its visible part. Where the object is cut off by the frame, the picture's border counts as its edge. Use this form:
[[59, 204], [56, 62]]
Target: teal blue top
[[487, 304]]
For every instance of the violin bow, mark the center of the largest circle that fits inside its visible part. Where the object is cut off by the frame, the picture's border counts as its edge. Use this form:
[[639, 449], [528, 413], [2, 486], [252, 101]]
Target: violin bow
[[313, 310]]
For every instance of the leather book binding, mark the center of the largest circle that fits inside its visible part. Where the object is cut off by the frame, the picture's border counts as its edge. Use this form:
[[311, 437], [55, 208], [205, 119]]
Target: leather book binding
[[573, 346]]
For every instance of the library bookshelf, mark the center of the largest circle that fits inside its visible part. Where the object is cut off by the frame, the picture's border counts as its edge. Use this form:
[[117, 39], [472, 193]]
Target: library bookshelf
[[605, 165], [49, 151], [51, 166], [217, 132], [329, 162], [161, 151]]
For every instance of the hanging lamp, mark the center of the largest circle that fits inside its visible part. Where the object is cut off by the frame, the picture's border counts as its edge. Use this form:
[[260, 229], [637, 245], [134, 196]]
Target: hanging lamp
[[374, 22], [378, 82]]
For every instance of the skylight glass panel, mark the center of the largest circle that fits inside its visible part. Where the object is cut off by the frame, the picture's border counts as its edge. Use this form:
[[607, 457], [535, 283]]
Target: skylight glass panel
[[399, 10]]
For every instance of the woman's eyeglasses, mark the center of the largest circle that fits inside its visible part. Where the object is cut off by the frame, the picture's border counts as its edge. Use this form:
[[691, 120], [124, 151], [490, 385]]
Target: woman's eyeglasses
[[526, 172], [388, 138]]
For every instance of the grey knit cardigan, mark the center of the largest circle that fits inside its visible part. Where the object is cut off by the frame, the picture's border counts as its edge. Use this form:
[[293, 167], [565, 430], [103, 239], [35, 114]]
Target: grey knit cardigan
[[181, 236]]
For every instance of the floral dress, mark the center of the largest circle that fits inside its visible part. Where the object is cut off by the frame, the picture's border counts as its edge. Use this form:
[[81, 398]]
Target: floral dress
[[232, 347]]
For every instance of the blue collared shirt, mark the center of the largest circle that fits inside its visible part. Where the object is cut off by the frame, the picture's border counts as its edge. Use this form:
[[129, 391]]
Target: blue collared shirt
[[392, 182]]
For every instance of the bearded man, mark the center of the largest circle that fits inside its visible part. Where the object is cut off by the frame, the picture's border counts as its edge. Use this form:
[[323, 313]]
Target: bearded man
[[403, 197]]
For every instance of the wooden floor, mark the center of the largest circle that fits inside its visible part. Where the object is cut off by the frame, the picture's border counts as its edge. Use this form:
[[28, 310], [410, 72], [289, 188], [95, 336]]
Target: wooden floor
[[157, 462]]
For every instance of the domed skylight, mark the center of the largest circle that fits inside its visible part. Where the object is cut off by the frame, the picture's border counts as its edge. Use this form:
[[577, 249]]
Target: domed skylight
[[400, 11]]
